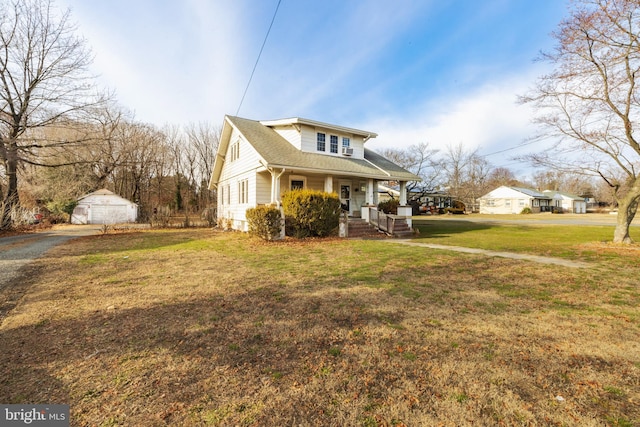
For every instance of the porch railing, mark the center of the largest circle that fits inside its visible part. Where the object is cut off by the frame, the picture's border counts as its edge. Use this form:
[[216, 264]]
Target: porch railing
[[383, 221]]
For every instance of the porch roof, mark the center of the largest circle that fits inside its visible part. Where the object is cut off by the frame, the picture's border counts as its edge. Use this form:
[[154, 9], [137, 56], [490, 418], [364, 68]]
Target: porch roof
[[277, 152]]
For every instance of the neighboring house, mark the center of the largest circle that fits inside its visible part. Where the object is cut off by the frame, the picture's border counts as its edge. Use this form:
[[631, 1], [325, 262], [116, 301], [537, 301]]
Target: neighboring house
[[567, 202], [104, 207], [512, 200], [257, 161]]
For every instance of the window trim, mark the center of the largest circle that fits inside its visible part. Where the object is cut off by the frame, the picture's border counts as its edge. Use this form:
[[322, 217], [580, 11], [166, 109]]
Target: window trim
[[297, 178]]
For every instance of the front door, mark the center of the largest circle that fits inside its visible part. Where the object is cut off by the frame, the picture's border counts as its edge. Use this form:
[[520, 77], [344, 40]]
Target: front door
[[345, 196]]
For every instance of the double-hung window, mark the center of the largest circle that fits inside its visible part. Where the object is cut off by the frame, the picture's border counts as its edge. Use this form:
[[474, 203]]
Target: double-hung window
[[321, 141], [243, 191], [346, 142], [333, 146]]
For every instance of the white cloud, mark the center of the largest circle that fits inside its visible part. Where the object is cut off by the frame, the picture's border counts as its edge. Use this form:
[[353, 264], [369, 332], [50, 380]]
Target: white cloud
[[488, 118]]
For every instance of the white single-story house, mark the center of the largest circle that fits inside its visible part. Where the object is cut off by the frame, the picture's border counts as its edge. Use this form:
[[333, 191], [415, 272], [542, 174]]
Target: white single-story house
[[104, 207], [567, 202], [257, 161], [512, 200]]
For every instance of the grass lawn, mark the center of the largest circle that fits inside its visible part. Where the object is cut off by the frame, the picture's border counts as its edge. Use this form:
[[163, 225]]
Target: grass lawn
[[199, 327], [556, 240]]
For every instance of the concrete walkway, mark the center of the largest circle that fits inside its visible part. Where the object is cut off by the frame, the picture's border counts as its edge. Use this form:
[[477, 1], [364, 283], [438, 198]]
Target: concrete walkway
[[511, 255]]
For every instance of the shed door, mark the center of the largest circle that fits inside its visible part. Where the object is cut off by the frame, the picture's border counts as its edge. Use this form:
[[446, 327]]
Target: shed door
[[108, 214]]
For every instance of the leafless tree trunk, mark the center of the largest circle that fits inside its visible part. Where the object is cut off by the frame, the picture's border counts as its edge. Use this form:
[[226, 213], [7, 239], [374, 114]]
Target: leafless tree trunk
[[43, 80], [589, 104]]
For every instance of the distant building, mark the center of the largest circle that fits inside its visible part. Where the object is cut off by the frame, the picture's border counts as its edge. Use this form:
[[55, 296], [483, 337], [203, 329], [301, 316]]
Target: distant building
[[104, 207]]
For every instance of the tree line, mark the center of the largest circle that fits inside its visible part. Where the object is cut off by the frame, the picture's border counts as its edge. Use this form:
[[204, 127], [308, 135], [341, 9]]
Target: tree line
[[464, 175]]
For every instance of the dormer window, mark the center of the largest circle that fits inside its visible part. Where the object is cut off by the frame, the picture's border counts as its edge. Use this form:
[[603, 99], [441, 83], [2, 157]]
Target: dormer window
[[333, 145], [346, 142], [321, 142]]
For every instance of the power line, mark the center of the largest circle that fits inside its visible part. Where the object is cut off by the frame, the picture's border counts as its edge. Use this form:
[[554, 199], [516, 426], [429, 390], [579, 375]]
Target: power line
[[259, 55]]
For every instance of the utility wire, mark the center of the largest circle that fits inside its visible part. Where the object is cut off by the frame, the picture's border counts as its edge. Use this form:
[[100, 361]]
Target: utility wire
[[259, 55]]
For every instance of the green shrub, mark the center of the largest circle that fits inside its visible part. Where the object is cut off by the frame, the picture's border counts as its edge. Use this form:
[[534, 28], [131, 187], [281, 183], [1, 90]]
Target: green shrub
[[310, 213], [525, 211], [389, 206], [264, 222], [61, 210]]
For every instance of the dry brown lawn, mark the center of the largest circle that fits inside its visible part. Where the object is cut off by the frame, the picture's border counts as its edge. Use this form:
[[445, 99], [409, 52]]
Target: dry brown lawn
[[198, 327]]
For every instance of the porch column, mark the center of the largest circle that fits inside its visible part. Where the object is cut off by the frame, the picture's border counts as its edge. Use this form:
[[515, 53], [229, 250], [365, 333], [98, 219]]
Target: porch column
[[370, 192], [403, 193], [275, 186], [404, 210], [328, 184]]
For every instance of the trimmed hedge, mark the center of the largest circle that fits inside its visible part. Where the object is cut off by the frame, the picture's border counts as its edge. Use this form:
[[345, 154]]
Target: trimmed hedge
[[264, 222], [310, 213]]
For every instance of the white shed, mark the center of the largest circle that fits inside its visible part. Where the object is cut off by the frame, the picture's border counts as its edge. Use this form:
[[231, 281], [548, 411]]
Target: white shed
[[104, 207]]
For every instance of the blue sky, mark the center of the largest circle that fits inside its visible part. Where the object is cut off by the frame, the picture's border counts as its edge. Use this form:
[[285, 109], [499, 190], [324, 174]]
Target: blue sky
[[441, 72]]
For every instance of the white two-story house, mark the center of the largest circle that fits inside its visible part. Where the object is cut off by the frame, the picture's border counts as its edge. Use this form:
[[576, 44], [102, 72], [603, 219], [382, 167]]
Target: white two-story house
[[259, 160]]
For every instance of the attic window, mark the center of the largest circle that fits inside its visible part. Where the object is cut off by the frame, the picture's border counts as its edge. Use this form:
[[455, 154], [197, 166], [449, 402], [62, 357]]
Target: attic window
[[235, 151], [321, 144]]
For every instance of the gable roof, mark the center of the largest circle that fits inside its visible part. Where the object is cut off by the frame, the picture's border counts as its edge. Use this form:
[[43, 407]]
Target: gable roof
[[526, 191], [553, 194], [104, 192], [315, 123], [277, 152]]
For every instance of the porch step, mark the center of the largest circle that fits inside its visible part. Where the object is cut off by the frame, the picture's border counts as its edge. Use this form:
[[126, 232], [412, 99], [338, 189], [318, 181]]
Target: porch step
[[402, 230], [359, 228]]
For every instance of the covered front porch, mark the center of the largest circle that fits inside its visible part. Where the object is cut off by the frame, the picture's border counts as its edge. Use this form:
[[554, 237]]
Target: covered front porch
[[358, 195]]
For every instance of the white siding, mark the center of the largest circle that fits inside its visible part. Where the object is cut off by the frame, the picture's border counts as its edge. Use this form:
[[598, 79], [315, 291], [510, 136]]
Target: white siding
[[291, 134], [309, 141], [263, 188], [233, 172]]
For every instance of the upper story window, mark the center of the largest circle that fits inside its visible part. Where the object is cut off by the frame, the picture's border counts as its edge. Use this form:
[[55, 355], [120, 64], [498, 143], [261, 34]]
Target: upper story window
[[346, 142], [333, 145], [235, 151], [321, 142]]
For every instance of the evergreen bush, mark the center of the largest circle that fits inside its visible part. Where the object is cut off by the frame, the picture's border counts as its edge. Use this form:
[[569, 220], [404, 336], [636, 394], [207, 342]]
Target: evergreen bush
[[264, 222], [310, 213]]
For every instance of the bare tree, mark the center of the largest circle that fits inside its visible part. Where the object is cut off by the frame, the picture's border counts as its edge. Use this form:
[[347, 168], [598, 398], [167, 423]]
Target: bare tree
[[203, 140], [422, 160], [589, 104], [44, 80], [466, 174]]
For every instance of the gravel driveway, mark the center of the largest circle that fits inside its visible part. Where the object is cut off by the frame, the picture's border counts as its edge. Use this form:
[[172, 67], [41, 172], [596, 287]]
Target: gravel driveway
[[19, 250]]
